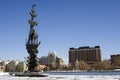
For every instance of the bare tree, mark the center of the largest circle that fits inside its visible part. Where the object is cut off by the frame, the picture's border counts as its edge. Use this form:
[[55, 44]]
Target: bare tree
[[83, 65], [104, 65]]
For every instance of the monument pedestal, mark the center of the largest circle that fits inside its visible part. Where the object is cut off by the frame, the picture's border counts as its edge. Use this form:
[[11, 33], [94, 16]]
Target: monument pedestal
[[32, 74]]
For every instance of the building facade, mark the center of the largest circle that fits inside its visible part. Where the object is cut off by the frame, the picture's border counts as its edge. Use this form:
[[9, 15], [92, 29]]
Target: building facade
[[2, 66], [115, 60], [90, 55], [52, 60], [16, 66], [44, 60]]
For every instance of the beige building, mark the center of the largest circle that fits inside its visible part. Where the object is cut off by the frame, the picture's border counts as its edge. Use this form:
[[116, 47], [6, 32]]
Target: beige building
[[12, 66], [22, 67], [52, 60], [59, 62], [3, 65], [16, 66]]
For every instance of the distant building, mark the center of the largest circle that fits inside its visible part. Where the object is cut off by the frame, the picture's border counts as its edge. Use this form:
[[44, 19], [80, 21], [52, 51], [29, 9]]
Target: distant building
[[51, 60], [52, 56], [90, 55], [22, 67], [16, 66], [4, 63], [40, 67], [44, 60], [59, 61], [2, 67], [12, 66], [115, 60]]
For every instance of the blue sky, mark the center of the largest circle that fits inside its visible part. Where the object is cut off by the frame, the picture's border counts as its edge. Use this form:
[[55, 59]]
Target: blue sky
[[62, 24]]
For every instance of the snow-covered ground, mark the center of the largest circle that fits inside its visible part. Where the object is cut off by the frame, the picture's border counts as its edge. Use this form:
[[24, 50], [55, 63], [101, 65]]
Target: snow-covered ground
[[1, 73], [6, 76]]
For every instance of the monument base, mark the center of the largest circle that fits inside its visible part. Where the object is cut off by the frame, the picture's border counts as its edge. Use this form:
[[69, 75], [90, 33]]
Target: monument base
[[31, 74]]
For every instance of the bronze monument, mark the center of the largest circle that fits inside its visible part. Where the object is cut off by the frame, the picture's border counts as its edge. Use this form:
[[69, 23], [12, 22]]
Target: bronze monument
[[32, 43]]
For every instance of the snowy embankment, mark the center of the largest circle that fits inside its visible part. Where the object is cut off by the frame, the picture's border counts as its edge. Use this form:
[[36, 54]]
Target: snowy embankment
[[6, 76], [1, 73]]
